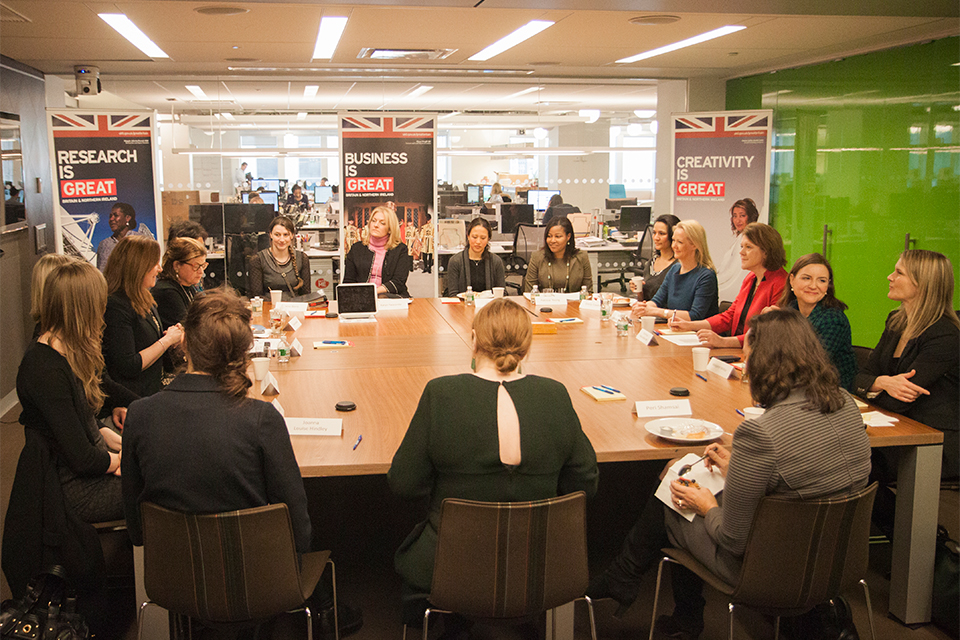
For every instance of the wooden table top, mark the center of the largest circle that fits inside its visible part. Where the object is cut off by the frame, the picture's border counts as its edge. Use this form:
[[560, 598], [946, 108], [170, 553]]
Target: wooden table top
[[392, 360]]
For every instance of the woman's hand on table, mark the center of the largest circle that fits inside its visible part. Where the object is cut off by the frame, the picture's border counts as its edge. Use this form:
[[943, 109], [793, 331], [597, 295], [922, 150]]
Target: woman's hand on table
[[679, 324], [710, 338], [692, 498], [717, 457], [899, 387], [643, 308]]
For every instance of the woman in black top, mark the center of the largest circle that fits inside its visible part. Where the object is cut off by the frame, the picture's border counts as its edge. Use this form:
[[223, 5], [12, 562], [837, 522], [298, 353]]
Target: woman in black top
[[280, 267], [177, 284], [381, 257], [298, 197], [133, 340], [476, 266]]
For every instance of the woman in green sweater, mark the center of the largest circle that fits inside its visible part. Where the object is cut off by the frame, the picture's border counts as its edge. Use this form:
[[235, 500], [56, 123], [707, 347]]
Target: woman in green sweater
[[491, 435]]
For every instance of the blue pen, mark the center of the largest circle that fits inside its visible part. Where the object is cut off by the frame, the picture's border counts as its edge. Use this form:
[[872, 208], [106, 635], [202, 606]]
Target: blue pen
[[357, 443], [334, 342], [741, 413], [604, 390], [611, 389], [702, 378]]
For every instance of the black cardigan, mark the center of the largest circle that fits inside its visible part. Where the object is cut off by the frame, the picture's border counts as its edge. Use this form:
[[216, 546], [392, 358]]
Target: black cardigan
[[125, 335], [935, 355], [172, 301], [396, 267]]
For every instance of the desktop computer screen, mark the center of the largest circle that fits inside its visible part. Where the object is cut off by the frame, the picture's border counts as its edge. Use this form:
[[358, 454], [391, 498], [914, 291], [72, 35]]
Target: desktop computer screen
[[268, 184], [513, 214], [633, 219], [540, 198], [487, 192], [473, 194], [322, 194]]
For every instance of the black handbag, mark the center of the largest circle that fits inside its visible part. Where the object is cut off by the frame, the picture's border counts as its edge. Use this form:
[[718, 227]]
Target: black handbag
[[946, 584], [45, 612]]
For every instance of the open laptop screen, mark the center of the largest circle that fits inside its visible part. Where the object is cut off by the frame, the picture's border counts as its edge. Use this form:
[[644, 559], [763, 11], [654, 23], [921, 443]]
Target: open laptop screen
[[359, 299]]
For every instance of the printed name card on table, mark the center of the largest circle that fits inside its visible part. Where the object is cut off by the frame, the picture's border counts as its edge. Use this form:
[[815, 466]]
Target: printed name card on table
[[269, 385], [647, 337], [294, 323], [392, 304], [276, 404], [296, 349], [661, 408], [550, 300], [589, 305], [315, 426], [480, 303], [293, 308], [719, 367]]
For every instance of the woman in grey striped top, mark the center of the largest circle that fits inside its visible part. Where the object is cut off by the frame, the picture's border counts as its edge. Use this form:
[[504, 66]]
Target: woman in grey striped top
[[809, 443]]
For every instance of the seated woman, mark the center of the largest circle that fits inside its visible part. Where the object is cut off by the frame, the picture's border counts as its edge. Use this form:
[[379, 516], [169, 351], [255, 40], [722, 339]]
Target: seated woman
[[663, 258], [763, 255], [380, 257], [280, 266], [476, 266], [493, 435], [183, 266], [203, 446], [915, 368], [133, 339], [689, 288], [811, 292], [559, 266], [809, 443], [298, 197], [38, 277]]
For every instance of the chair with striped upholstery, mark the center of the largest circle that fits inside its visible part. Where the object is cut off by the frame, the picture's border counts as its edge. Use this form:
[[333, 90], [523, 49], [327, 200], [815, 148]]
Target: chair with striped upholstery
[[800, 553], [510, 560], [231, 569]]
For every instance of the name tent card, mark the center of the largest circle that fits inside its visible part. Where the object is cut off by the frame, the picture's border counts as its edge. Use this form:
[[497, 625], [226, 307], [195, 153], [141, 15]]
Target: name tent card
[[719, 367], [269, 385], [663, 408], [589, 305], [647, 337], [480, 303], [296, 349], [294, 323], [277, 405], [550, 300], [315, 426]]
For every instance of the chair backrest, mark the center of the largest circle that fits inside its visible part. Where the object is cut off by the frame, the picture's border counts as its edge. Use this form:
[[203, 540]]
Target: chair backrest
[[510, 559], [804, 552], [527, 241], [224, 567], [645, 248], [863, 356]]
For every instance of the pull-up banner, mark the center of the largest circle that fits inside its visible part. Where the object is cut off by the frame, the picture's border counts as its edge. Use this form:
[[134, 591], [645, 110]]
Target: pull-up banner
[[101, 158], [718, 158]]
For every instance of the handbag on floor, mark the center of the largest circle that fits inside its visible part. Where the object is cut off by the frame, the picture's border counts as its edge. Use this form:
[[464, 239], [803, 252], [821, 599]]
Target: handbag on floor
[[45, 612]]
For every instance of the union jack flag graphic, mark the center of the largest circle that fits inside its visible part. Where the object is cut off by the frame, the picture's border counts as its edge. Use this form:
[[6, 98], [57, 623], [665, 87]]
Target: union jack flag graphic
[[387, 127], [692, 126], [91, 125]]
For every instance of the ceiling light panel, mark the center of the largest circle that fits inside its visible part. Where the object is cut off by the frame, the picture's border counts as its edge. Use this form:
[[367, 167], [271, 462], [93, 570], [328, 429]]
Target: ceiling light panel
[[310, 90], [509, 41], [125, 27], [197, 91], [419, 91], [689, 42], [328, 36]]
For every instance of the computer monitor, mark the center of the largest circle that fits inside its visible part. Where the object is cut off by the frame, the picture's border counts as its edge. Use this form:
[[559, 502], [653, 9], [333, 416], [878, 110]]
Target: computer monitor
[[540, 198], [614, 204], [210, 217], [473, 194], [246, 218], [513, 214], [615, 191], [634, 219], [487, 192], [268, 184], [271, 198], [322, 194], [450, 199]]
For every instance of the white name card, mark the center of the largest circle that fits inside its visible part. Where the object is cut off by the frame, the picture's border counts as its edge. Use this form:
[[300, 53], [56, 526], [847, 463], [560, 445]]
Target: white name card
[[482, 302], [315, 426], [293, 308], [294, 323], [390, 304], [719, 367], [660, 408], [269, 385], [647, 337], [296, 349], [550, 300], [590, 305], [277, 405]]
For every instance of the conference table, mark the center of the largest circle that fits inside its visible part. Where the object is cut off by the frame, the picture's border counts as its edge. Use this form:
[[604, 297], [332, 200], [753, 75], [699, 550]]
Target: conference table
[[390, 361]]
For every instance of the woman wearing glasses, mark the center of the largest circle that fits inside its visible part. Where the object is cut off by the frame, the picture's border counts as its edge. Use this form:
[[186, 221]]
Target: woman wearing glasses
[[182, 271]]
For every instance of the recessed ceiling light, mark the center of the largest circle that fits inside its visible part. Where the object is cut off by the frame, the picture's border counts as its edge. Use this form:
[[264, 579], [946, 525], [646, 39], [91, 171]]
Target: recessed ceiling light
[[221, 11], [509, 41], [242, 60], [328, 36], [227, 115], [689, 42], [653, 20], [521, 93], [644, 113], [310, 90], [302, 115], [419, 91], [405, 54], [592, 115], [195, 90], [125, 27]]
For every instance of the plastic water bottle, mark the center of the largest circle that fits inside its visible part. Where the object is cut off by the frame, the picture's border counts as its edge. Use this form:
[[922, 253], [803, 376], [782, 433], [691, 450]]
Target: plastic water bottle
[[283, 351], [535, 291], [583, 293], [469, 297]]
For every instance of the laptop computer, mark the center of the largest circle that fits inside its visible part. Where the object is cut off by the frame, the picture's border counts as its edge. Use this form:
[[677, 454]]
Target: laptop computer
[[357, 301]]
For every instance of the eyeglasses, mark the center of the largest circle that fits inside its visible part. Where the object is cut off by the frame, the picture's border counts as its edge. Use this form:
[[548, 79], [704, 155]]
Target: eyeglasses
[[196, 267]]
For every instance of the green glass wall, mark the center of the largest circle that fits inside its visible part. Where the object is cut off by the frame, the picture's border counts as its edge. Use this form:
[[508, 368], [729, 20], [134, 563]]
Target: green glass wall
[[868, 146]]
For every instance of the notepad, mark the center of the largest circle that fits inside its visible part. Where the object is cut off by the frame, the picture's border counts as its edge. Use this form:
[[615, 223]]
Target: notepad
[[566, 320], [544, 327], [602, 396]]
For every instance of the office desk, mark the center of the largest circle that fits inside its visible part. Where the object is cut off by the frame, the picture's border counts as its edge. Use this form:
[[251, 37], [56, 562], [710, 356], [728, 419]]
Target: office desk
[[393, 359]]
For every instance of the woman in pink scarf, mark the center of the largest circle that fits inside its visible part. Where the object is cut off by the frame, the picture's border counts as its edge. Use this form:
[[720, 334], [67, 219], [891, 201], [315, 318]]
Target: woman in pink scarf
[[381, 258]]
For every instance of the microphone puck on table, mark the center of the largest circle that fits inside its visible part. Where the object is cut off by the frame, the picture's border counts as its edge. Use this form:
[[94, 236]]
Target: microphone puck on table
[[330, 314], [679, 391], [346, 405], [546, 310]]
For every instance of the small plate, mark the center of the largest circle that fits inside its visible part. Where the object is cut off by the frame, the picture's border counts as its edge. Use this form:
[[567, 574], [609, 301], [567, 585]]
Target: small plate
[[622, 302], [477, 294], [674, 430]]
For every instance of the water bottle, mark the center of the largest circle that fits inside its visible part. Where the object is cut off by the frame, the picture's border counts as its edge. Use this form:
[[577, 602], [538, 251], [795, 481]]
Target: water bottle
[[283, 351], [535, 291], [469, 297], [583, 293]]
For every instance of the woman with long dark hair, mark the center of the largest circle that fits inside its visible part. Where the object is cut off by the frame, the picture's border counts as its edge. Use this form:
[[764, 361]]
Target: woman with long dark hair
[[476, 266], [280, 266]]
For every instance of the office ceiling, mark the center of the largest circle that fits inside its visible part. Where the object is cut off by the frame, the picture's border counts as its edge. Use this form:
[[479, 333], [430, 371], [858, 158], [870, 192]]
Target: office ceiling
[[259, 61]]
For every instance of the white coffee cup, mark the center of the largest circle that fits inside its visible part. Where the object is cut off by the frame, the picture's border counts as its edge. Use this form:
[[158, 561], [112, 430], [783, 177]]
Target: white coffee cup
[[637, 281], [276, 296], [261, 366], [648, 322], [753, 412], [701, 357], [498, 292]]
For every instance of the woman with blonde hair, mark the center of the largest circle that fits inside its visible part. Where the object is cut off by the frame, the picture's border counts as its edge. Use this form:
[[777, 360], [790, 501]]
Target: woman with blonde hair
[[915, 368], [689, 288], [181, 273], [492, 435], [134, 340], [381, 257], [41, 270]]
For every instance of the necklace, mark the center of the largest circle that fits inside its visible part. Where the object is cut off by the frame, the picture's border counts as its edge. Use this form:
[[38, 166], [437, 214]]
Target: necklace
[[550, 276], [187, 291]]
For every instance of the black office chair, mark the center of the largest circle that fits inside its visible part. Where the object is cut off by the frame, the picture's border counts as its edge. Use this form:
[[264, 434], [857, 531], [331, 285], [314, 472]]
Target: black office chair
[[527, 239], [633, 264]]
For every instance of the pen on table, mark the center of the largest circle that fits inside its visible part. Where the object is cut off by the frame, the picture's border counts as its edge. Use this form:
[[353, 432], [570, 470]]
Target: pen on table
[[530, 312], [357, 443], [602, 389], [741, 413], [610, 389], [673, 320], [702, 378], [334, 342]]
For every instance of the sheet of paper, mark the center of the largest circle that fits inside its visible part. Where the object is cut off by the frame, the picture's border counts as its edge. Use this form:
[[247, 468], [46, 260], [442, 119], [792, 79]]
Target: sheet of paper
[[877, 419], [687, 340], [711, 480], [663, 408], [315, 426]]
